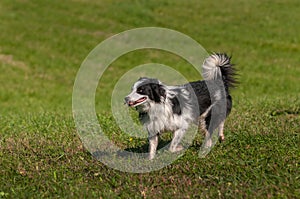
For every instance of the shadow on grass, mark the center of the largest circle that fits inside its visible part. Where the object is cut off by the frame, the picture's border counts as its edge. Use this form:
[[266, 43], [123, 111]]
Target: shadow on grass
[[144, 148], [132, 151]]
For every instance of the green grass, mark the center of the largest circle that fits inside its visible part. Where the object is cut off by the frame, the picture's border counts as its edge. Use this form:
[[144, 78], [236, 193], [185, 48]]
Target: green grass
[[43, 43]]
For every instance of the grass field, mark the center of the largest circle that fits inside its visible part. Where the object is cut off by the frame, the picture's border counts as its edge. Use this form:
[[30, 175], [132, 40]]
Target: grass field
[[42, 45]]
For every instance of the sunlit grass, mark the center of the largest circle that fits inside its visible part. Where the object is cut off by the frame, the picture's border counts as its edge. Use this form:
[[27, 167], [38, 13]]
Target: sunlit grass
[[43, 43]]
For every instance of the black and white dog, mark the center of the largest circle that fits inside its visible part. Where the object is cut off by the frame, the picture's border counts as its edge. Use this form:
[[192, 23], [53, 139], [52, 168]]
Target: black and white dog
[[173, 108]]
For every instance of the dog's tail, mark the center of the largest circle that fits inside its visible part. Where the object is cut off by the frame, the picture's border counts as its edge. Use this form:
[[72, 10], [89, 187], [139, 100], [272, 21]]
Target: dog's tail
[[218, 66]]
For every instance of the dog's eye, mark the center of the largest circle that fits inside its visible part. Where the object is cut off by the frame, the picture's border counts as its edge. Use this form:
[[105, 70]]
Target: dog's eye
[[140, 90]]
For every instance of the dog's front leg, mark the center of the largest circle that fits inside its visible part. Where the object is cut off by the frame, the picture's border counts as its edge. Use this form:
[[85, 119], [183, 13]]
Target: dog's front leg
[[153, 142], [175, 144]]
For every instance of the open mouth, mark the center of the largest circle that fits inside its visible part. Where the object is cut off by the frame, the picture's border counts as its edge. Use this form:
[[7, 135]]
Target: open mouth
[[134, 103]]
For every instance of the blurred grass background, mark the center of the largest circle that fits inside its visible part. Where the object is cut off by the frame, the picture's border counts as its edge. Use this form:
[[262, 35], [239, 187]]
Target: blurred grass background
[[42, 45]]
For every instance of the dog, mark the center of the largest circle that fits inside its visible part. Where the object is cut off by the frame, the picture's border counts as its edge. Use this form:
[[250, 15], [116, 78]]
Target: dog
[[174, 108]]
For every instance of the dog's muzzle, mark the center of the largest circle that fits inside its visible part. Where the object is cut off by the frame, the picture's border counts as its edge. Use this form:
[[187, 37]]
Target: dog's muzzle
[[127, 100], [131, 103]]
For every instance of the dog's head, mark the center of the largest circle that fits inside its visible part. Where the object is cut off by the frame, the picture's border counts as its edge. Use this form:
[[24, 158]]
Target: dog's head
[[145, 91]]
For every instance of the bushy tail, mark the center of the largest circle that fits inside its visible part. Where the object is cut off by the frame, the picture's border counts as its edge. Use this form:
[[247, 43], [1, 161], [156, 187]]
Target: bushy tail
[[218, 66]]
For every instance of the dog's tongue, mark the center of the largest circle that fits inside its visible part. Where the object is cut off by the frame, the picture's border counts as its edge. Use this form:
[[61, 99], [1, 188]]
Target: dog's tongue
[[131, 103], [139, 100]]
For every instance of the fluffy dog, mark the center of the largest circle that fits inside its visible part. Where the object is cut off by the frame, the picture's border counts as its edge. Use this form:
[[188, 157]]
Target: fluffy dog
[[174, 108]]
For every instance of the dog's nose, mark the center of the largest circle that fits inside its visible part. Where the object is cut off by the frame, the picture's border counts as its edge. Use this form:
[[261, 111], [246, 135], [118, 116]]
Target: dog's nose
[[127, 99]]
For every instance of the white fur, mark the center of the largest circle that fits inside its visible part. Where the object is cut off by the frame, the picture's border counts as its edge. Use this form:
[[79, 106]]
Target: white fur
[[211, 66], [160, 116]]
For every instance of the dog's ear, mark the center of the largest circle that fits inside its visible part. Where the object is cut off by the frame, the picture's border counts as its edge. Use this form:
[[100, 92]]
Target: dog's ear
[[157, 92], [175, 106], [162, 91]]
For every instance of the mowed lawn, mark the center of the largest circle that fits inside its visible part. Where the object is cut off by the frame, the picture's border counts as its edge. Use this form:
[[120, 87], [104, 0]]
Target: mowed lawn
[[42, 45]]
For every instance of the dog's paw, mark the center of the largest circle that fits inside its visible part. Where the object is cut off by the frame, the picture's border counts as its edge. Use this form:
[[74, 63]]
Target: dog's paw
[[208, 143], [221, 139], [176, 149], [151, 156]]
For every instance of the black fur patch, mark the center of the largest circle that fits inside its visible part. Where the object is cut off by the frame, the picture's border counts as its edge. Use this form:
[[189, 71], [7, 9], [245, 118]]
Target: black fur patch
[[175, 106], [204, 101], [153, 91], [228, 72]]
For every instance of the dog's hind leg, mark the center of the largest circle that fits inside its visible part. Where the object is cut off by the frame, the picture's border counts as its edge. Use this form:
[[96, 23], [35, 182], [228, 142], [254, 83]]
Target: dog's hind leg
[[221, 131], [153, 142], [175, 143], [208, 140], [204, 121], [208, 134]]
